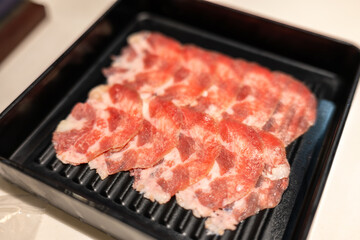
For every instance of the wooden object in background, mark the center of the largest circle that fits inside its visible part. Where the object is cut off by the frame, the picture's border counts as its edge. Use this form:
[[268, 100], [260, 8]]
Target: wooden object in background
[[18, 24]]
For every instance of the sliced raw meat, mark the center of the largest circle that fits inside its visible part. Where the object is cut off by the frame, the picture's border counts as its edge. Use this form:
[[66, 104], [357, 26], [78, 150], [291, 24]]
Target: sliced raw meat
[[228, 78], [191, 78], [158, 65], [234, 174], [186, 121], [294, 113], [190, 161], [243, 91], [149, 62], [159, 135], [257, 97], [266, 194], [107, 120]]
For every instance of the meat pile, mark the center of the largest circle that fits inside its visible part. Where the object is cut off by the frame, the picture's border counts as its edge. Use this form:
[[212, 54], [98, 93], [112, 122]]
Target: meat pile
[[191, 123]]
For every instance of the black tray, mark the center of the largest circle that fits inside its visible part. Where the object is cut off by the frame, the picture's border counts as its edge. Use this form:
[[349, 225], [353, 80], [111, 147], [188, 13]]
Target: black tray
[[329, 67]]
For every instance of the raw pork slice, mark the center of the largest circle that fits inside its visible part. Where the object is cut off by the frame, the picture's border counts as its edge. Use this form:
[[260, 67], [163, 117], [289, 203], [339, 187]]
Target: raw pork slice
[[107, 120], [257, 97], [243, 91], [158, 65], [147, 63], [192, 76], [234, 174], [186, 164], [228, 78], [159, 135], [266, 194], [294, 113]]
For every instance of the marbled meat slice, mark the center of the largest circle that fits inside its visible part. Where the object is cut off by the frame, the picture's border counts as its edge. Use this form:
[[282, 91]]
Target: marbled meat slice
[[266, 194], [159, 135], [107, 120], [190, 161], [155, 64], [294, 113], [192, 76], [223, 91], [147, 63], [234, 173], [257, 97], [244, 92]]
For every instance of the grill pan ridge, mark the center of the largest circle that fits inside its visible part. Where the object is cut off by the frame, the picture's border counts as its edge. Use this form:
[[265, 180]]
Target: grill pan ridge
[[33, 156]]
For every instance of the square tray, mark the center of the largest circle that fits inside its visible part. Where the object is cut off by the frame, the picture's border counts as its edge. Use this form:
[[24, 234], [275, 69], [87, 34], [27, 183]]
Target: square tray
[[330, 68]]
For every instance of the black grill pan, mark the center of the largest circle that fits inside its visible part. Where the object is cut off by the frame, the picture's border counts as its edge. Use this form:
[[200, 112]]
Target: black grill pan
[[328, 67]]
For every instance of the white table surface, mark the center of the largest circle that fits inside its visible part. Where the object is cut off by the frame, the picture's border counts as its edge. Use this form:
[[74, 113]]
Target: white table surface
[[338, 213]]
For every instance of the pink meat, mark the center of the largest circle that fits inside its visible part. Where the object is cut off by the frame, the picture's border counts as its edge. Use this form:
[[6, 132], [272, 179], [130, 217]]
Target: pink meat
[[243, 91], [223, 91], [154, 64], [257, 97], [234, 174], [187, 163], [159, 135], [294, 113], [266, 193], [148, 62], [107, 120]]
